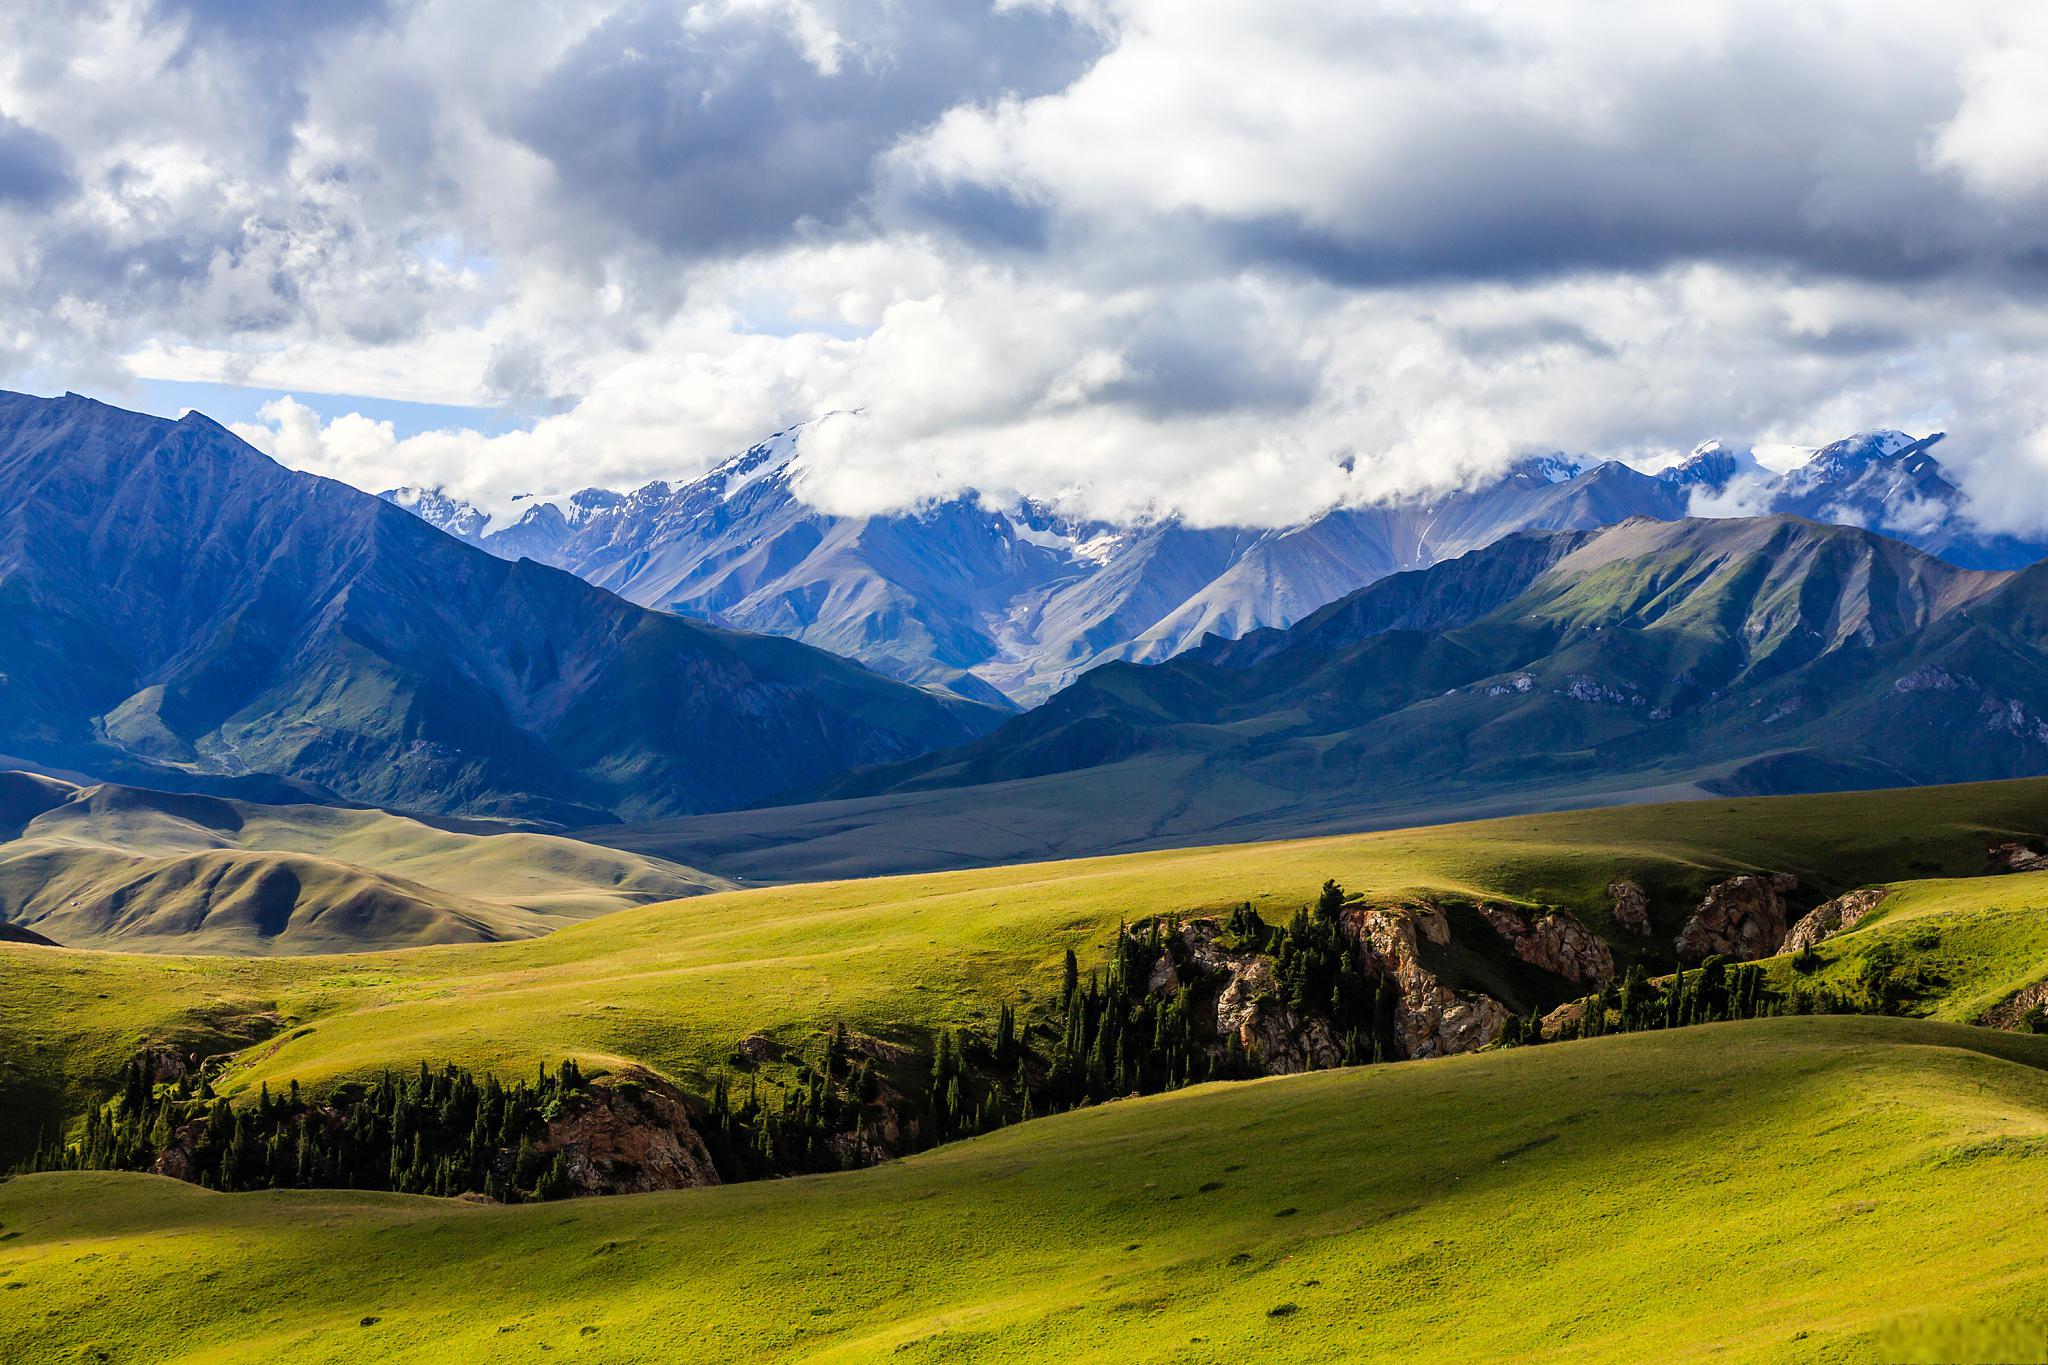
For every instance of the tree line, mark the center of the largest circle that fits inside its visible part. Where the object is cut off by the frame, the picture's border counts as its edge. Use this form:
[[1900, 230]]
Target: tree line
[[447, 1132], [439, 1132]]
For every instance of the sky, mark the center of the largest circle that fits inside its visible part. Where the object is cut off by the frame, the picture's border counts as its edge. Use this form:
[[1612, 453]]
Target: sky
[[1233, 261]]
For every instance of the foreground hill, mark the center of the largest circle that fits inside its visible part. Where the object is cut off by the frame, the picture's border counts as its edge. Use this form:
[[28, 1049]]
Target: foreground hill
[[1811, 1189], [176, 608], [1734, 656], [138, 870], [1016, 600]]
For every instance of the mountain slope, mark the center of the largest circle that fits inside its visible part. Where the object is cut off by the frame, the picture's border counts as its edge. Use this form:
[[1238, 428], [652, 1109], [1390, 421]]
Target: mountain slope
[[1016, 601], [177, 607], [137, 870], [1653, 659]]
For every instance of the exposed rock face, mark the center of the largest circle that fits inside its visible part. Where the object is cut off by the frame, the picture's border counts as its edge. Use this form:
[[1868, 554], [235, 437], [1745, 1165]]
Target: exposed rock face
[[1741, 919], [1249, 1007], [630, 1135], [1430, 1019], [2013, 1013], [1837, 916], [1562, 1019], [1631, 906], [2018, 858], [1556, 942]]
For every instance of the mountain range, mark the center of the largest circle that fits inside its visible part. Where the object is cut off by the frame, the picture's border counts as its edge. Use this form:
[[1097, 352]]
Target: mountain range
[[1650, 658], [1009, 603], [179, 610]]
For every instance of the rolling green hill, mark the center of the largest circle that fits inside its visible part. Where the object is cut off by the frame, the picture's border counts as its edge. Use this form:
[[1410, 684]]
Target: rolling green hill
[[1792, 1189], [138, 870], [675, 987]]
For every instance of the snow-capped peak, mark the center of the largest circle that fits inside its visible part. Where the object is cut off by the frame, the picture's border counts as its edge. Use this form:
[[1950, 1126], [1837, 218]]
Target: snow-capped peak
[[770, 459], [439, 508], [1549, 468], [1713, 464]]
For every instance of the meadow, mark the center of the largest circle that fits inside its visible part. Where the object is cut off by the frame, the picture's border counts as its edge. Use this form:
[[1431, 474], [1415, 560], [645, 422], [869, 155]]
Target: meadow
[[674, 987], [1809, 1189]]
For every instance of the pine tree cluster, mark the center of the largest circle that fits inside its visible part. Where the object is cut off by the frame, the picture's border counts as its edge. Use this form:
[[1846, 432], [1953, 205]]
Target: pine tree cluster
[[436, 1132], [1716, 991]]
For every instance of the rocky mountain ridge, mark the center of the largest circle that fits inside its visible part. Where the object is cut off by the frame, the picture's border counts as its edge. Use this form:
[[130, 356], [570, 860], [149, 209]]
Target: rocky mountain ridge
[[179, 610], [1014, 601]]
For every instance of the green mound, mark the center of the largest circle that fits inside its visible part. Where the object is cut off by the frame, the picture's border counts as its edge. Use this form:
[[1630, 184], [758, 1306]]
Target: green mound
[[1810, 1189], [140, 870]]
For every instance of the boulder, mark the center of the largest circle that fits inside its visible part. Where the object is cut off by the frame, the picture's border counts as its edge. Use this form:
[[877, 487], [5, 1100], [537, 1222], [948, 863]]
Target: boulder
[[1631, 906], [1430, 1019], [1837, 916], [1741, 919]]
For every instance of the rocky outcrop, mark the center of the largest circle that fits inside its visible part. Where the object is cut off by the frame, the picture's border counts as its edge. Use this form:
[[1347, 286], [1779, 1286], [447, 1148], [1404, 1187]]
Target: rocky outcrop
[[1741, 919], [1430, 1019], [1837, 916], [2018, 858], [630, 1134], [2013, 1013], [1556, 942], [1563, 1020], [1631, 906], [1248, 1004]]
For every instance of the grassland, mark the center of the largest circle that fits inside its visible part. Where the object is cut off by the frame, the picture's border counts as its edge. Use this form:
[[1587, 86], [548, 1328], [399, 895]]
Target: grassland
[[1972, 943], [1791, 1189], [674, 987]]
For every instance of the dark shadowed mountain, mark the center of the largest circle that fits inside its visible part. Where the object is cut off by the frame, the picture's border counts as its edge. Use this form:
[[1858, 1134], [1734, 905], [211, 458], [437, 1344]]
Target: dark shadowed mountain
[[177, 608], [1015, 602], [1733, 656]]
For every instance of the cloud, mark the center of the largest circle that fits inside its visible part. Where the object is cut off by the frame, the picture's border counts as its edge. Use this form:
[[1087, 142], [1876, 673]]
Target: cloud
[[1238, 261], [34, 171], [732, 125]]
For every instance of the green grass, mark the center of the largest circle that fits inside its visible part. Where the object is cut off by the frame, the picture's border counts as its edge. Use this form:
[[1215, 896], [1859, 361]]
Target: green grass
[[1979, 940], [136, 870], [1792, 1189], [674, 987]]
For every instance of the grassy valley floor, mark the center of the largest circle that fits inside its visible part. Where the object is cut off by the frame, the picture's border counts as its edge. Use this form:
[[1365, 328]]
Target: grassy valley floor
[[1789, 1189]]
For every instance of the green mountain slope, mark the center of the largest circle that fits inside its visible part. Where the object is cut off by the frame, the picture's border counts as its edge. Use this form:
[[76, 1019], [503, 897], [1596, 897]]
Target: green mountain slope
[[1736, 657], [139, 870], [1809, 1189]]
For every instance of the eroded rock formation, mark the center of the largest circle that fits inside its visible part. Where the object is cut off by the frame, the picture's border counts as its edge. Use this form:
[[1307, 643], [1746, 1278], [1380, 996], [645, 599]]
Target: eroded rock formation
[[2013, 1013], [2018, 858], [1631, 906], [1247, 1003], [629, 1134], [1556, 942], [1431, 1019], [1741, 919]]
